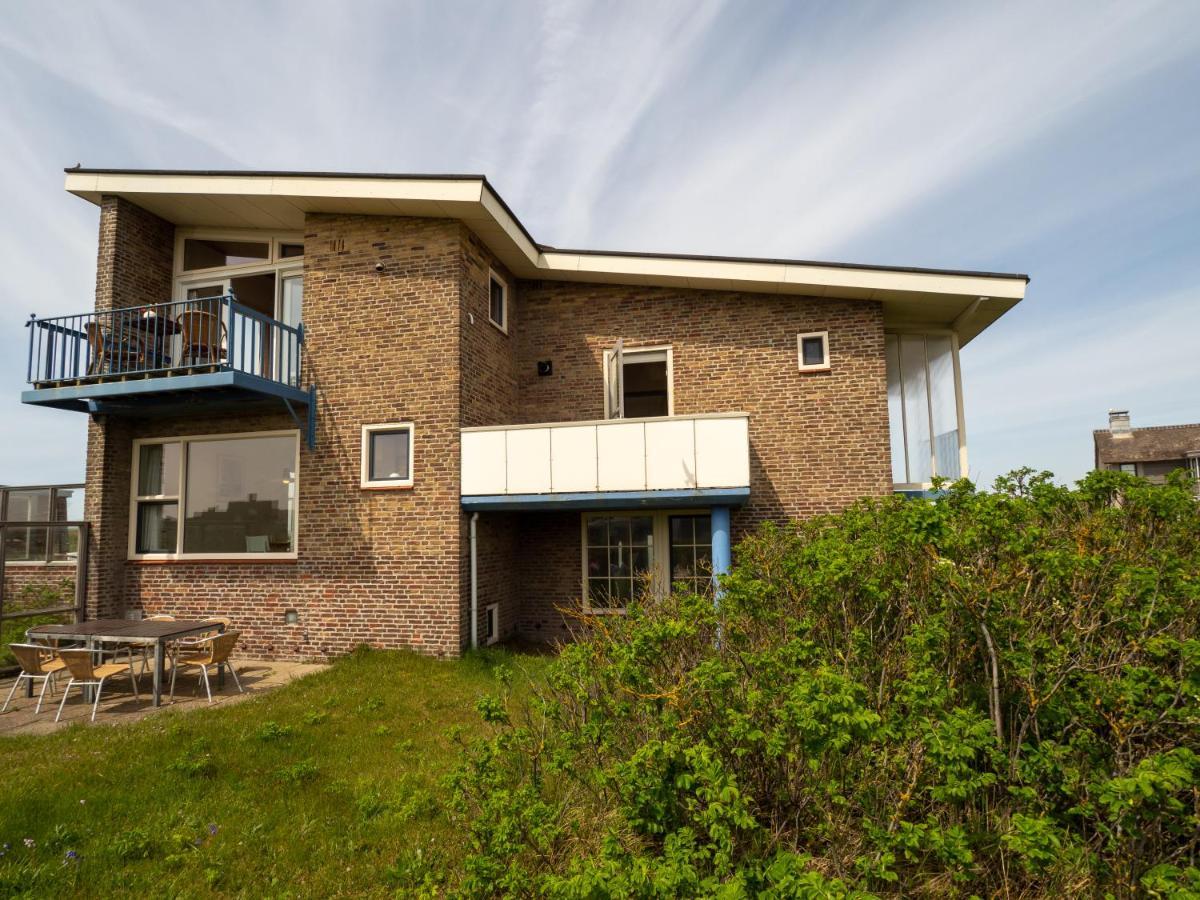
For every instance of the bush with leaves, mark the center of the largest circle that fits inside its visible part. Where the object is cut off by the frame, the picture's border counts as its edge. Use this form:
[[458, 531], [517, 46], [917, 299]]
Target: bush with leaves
[[993, 693]]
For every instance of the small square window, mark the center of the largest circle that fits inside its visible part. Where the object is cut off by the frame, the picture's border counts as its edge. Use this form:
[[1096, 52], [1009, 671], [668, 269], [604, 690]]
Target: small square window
[[498, 301], [387, 456], [1130, 468], [813, 350]]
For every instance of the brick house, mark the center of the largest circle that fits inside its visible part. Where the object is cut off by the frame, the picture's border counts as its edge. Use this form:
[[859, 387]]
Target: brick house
[[347, 409], [1152, 453]]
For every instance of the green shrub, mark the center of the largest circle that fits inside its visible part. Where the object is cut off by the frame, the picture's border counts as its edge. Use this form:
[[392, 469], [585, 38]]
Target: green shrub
[[992, 693]]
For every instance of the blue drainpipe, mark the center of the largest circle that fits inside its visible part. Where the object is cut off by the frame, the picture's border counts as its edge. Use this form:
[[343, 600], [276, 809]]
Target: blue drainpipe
[[722, 556]]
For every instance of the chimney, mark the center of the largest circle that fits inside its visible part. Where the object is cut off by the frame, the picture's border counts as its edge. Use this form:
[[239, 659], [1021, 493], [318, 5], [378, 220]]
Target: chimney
[[1118, 421]]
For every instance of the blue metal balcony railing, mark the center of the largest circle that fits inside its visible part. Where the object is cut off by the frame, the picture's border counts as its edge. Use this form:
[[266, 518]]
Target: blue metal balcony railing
[[208, 334]]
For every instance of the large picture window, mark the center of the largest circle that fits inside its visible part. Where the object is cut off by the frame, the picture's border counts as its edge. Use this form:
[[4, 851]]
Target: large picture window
[[215, 496]]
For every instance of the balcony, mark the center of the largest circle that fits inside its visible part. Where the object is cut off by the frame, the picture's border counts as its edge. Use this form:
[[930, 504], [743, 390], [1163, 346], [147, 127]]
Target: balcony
[[675, 461], [168, 358]]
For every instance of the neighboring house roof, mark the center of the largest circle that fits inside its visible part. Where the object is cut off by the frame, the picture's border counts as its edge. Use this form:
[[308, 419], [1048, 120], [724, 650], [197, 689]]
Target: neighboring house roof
[[965, 301], [1158, 443]]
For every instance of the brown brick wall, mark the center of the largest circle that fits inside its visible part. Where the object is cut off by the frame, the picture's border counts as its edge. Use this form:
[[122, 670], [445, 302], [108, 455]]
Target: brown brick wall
[[489, 397], [134, 266], [550, 573], [818, 440], [375, 566], [18, 577]]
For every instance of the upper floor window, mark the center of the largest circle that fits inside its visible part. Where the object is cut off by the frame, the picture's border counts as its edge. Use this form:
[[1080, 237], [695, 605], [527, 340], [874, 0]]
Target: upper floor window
[[637, 382], [201, 253], [498, 301], [202, 250], [264, 272], [813, 350]]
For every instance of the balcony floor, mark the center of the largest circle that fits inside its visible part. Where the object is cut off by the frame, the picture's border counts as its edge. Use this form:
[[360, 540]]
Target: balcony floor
[[160, 392]]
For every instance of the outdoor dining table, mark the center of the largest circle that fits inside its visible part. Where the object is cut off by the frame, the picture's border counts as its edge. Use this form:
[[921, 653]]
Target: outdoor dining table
[[137, 632]]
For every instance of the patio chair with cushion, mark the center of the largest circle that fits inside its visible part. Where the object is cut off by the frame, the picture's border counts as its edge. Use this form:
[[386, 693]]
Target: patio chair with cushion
[[85, 673], [36, 662], [212, 651]]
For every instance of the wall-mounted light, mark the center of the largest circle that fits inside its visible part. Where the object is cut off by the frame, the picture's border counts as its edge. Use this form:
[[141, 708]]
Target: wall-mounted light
[[291, 617]]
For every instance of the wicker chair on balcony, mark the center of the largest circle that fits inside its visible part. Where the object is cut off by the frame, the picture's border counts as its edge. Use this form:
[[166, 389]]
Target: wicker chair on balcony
[[112, 354], [203, 336]]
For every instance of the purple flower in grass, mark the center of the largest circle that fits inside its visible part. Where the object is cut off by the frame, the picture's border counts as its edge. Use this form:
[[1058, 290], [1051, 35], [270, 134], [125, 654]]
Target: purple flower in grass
[[212, 829]]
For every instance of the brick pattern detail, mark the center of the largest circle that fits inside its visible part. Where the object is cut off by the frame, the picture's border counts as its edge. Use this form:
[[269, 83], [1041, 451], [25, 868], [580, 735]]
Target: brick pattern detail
[[17, 577]]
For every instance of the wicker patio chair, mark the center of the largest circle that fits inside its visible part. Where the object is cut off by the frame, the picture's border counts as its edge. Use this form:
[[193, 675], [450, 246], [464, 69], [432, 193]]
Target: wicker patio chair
[[36, 662], [192, 646], [215, 652], [109, 354], [85, 673], [203, 338]]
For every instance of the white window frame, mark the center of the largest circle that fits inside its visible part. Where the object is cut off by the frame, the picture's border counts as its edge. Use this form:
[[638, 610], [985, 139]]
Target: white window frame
[[667, 351], [660, 562], [273, 240], [281, 267], [822, 366], [493, 275], [364, 462], [181, 498]]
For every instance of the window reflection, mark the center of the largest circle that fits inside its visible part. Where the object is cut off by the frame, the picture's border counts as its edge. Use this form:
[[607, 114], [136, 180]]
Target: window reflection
[[240, 496]]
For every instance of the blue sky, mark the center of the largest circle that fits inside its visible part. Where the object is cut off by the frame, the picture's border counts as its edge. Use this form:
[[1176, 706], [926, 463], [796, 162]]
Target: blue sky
[[1058, 139]]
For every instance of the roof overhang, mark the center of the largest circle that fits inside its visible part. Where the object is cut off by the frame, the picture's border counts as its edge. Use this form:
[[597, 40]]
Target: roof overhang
[[967, 302]]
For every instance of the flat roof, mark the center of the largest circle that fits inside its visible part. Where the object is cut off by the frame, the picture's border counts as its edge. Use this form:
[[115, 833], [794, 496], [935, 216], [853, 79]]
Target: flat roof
[[963, 300]]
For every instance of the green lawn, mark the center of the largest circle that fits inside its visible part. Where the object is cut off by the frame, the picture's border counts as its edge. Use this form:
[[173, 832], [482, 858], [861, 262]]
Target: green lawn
[[330, 786]]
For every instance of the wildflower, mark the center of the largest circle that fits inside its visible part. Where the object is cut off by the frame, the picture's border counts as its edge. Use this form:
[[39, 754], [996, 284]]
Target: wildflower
[[70, 857], [29, 842], [212, 828]]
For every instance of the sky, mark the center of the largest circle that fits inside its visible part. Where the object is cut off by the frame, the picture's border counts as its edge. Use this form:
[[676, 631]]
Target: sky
[[1056, 139]]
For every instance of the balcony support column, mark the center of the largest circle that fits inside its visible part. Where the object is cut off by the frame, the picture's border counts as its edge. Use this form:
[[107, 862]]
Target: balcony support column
[[722, 556]]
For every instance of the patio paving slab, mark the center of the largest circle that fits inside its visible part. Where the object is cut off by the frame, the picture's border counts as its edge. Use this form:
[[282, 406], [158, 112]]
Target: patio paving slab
[[117, 704]]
